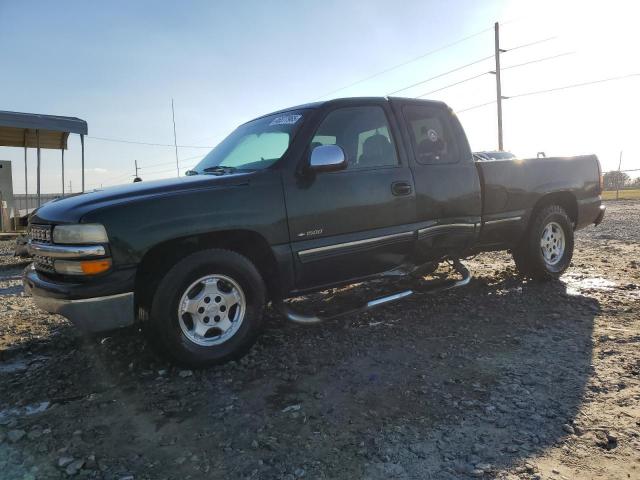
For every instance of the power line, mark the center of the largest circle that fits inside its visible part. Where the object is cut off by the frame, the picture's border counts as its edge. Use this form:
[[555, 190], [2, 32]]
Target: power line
[[475, 62], [454, 84], [503, 68], [556, 89], [441, 74], [402, 64], [524, 45], [476, 106], [538, 60], [121, 140], [566, 87], [152, 165]]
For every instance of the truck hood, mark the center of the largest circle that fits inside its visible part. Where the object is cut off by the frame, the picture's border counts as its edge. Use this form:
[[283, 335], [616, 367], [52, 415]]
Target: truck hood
[[71, 209]]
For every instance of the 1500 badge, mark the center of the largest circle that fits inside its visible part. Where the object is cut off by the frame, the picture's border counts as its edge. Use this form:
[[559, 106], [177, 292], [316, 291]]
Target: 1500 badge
[[310, 233]]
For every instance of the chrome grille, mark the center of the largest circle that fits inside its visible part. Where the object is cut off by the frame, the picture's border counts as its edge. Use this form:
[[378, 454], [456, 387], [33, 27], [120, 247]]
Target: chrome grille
[[43, 264], [40, 233]]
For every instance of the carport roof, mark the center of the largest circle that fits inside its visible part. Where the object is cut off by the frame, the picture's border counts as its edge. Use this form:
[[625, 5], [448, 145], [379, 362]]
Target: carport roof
[[19, 129]]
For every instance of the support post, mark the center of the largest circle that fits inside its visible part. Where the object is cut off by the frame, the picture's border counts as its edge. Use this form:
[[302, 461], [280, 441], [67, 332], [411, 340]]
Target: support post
[[62, 171], [26, 188], [498, 85], [38, 166], [82, 150]]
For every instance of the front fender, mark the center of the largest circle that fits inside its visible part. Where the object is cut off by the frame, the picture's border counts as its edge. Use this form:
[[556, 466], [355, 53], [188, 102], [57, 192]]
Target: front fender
[[136, 227]]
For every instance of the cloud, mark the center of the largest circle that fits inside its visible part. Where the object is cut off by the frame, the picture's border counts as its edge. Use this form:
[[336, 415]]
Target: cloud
[[99, 170]]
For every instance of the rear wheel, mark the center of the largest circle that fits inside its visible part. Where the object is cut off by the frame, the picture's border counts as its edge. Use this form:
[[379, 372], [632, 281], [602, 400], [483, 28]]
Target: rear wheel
[[207, 309], [547, 247]]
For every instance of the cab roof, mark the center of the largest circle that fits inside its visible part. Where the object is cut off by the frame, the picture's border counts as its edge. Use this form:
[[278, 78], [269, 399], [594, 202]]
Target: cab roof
[[351, 101]]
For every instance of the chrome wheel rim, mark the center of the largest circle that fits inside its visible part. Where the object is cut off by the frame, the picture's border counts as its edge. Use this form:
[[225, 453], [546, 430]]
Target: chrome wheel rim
[[552, 243], [211, 310]]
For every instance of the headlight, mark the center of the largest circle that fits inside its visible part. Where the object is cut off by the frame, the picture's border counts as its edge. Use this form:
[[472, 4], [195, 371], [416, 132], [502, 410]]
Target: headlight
[[81, 233]]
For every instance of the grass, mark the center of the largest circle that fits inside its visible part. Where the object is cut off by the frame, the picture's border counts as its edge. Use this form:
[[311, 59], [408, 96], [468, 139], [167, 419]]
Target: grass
[[624, 194]]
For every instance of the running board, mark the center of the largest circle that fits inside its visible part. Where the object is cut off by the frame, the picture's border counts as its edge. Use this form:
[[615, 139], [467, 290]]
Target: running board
[[430, 287]]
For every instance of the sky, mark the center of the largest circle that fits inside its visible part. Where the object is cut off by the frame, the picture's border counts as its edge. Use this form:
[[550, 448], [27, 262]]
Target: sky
[[118, 64]]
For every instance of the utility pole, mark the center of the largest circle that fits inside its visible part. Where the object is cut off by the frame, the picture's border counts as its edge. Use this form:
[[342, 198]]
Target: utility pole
[[175, 141], [498, 85], [136, 178], [70, 188]]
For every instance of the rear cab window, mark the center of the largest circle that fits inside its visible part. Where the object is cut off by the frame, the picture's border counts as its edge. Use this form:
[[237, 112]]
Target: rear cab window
[[431, 135]]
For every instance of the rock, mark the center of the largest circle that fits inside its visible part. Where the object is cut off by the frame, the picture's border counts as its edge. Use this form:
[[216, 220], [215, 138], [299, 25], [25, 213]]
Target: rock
[[90, 463], [15, 435], [292, 408], [74, 467], [568, 428], [393, 470], [185, 373], [34, 434], [299, 472], [126, 477], [64, 461]]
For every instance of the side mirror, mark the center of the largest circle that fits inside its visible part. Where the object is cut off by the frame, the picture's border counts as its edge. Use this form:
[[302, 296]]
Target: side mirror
[[327, 158]]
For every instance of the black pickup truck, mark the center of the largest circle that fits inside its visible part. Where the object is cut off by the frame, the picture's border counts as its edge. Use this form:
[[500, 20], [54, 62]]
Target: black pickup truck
[[297, 201]]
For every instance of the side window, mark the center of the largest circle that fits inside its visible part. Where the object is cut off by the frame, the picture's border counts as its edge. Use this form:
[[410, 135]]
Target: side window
[[362, 132], [430, 134]]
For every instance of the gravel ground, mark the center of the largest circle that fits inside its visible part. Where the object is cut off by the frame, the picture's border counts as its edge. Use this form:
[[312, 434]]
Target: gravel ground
[[502, 379]]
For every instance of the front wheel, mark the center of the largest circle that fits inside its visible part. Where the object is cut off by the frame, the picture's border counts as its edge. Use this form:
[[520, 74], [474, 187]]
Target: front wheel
[[546, 250], [207, 309]]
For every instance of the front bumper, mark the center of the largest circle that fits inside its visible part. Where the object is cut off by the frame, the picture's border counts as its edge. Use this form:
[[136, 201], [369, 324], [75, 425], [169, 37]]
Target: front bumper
[[92, 314]]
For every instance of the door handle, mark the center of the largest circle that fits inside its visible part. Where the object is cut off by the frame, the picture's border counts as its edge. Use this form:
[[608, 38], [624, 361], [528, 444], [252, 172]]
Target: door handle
[[401, 188]]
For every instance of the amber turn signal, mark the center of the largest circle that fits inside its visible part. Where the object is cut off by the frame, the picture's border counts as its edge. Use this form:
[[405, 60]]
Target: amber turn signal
[[93, 267], [82, 267]]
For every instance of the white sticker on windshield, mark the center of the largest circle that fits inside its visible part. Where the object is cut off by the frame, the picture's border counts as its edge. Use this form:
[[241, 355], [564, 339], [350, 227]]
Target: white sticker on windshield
[[285, 120]]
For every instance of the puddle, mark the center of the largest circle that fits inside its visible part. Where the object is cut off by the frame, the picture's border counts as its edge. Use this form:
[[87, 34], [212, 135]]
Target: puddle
[[20, 364], [14, 367], [9, 413], [578, 284]]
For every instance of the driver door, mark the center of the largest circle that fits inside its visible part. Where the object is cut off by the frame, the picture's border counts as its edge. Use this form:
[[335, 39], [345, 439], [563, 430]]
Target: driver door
[[355, 222]]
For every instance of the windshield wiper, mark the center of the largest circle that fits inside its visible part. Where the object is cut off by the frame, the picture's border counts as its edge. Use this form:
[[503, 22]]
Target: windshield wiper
[[189, 173], [219, 170]]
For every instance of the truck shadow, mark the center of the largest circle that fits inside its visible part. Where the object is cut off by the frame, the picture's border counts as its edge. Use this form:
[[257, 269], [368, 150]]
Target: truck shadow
[[432, 387]]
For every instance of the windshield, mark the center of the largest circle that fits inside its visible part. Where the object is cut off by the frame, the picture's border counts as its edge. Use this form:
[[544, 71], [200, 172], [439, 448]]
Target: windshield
[[253, 146]]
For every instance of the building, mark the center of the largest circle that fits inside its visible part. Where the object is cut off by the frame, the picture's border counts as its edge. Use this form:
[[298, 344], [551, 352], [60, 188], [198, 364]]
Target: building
[[6, 196]]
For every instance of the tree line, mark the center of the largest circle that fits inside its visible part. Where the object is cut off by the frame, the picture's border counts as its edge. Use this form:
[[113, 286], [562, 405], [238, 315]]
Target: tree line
[[619, 180]]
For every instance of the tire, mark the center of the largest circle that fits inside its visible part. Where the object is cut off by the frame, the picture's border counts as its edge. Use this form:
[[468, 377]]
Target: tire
[[207, 309], [546, 258]]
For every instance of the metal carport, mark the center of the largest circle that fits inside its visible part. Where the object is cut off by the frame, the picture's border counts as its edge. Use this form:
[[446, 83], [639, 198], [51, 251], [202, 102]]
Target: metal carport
[[40, 131]]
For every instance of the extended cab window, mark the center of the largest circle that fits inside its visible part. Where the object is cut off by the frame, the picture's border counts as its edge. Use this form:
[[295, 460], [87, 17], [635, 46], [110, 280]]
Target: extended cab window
[[431, 137], [362, 132]]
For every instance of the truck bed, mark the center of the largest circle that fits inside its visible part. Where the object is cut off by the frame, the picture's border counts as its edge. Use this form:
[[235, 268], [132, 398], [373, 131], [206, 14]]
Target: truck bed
[[512, 188]]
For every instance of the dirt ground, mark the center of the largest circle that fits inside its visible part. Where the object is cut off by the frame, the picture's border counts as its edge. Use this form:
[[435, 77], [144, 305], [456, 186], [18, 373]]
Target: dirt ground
[[501, 379]]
